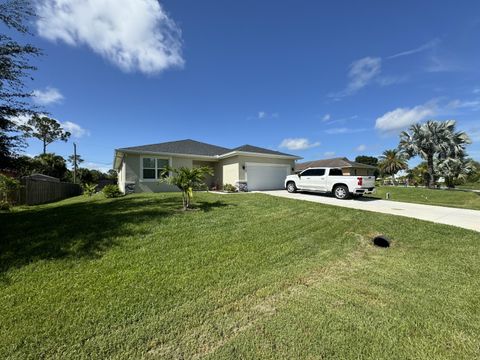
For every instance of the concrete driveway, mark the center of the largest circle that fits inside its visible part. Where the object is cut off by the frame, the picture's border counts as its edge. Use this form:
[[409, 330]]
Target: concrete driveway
[[464, 218]]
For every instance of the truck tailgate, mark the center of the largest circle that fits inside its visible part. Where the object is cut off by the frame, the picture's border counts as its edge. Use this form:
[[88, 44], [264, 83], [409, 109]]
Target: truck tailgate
[[368, 181]]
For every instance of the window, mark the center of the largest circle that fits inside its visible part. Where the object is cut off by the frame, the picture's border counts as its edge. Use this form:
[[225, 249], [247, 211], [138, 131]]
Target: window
[[336, 172], [313, 172], [318, 172], [152, 168]]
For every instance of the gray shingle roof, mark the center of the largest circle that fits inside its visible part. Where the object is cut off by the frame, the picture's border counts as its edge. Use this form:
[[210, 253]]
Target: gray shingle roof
[[187, 146], [335, 162], [256, 149], [193, 147]]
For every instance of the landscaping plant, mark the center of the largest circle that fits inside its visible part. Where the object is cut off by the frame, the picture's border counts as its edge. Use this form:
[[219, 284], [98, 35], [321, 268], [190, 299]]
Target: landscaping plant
[[89, 189], [111, 191], [186, 180], [8, 186], [229, 188]]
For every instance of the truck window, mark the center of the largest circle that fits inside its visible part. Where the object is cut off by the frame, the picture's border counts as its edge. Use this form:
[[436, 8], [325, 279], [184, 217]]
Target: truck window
[[336, 172], [318, 172], [313, 172]]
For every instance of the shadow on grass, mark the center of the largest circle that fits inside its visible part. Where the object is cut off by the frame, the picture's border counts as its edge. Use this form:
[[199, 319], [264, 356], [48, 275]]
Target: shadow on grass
[[81, 230]]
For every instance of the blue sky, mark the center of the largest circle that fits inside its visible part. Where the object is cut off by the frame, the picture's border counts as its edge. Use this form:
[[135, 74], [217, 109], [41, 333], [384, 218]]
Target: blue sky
[[316, 79]]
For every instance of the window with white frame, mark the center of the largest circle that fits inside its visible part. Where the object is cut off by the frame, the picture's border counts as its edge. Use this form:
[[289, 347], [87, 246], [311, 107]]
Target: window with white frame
[[152, 168]]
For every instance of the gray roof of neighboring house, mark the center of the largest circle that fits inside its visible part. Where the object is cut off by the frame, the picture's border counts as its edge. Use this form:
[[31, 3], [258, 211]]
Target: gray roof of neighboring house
[[335, 163], [193, 147]]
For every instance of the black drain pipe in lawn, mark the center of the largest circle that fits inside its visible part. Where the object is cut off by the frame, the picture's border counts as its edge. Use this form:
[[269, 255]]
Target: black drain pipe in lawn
[[381, 241]]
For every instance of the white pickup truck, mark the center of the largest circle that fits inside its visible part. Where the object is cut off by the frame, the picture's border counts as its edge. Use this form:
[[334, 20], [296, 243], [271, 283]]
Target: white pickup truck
[[323, 179]]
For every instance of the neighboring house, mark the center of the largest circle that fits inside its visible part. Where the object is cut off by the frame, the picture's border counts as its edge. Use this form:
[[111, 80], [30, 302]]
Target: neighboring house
[[348, 167], [139, 167]]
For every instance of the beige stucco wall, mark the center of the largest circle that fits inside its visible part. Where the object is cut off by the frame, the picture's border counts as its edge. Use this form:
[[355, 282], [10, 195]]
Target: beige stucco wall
[[230, 170], [121, 176], [226, 171], [133, 169], [209, 179]]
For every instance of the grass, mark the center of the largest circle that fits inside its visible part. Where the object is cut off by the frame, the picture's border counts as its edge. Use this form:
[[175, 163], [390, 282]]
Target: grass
[[470, 186], [420, 195], [244, 276]]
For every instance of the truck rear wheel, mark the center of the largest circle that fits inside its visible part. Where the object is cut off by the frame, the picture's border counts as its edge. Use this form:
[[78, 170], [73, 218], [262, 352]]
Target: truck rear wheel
[[341, 192], [291, 188]]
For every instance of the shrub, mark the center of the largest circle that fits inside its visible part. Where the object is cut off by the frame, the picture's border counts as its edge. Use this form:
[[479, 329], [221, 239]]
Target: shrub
[[8, 187], [111, 191], [89, 189], [4, 205], [229, 188]]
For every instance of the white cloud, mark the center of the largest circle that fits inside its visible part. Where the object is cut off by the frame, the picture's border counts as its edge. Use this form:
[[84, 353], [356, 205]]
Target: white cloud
[[103, 167], [344, 130], [21, 119], [265, 115], [326, 117], [362, 72], [400, 118], [329, 153], [48, 96], [391, 80], [474, 134], [361, 147], [429, 45], [76, 130], [298, 144], [464, 104], [476, 91], [135, 35], [442, 64]]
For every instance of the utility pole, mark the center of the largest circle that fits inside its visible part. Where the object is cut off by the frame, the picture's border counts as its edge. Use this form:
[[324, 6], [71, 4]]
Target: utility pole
[[74, 163]]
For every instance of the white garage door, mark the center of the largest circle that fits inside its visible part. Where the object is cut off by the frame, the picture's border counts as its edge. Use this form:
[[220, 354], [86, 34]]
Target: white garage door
[[266, 176]]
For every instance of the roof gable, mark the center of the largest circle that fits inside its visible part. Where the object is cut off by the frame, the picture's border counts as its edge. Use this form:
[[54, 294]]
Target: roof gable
[[259, 150], [342, 162], [193, 147], [188, 146]]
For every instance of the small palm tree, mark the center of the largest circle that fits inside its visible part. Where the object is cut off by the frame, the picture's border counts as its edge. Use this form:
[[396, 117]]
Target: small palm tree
[[186, 180], [391, 162], [455, 170], [433, 140]]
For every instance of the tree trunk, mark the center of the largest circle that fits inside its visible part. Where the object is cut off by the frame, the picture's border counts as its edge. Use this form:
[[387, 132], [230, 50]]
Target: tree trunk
[[431, 172], [184, 199], [44, 147]]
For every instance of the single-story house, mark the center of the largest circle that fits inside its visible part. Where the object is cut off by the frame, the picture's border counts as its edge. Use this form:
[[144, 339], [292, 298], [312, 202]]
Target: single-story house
[[255, 168], [348, 167]]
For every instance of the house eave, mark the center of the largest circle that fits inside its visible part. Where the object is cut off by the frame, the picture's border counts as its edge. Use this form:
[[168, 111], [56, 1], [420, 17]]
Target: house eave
[[119, 153], [246, 153], [192, 156]]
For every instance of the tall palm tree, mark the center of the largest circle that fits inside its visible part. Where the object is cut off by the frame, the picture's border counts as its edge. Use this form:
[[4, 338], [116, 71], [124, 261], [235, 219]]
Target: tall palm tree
[[433, 140], [391, 162]]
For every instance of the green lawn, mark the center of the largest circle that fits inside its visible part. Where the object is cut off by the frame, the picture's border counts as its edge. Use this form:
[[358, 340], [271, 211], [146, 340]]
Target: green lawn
[[471, 186], [420, 195], [244, 276]]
